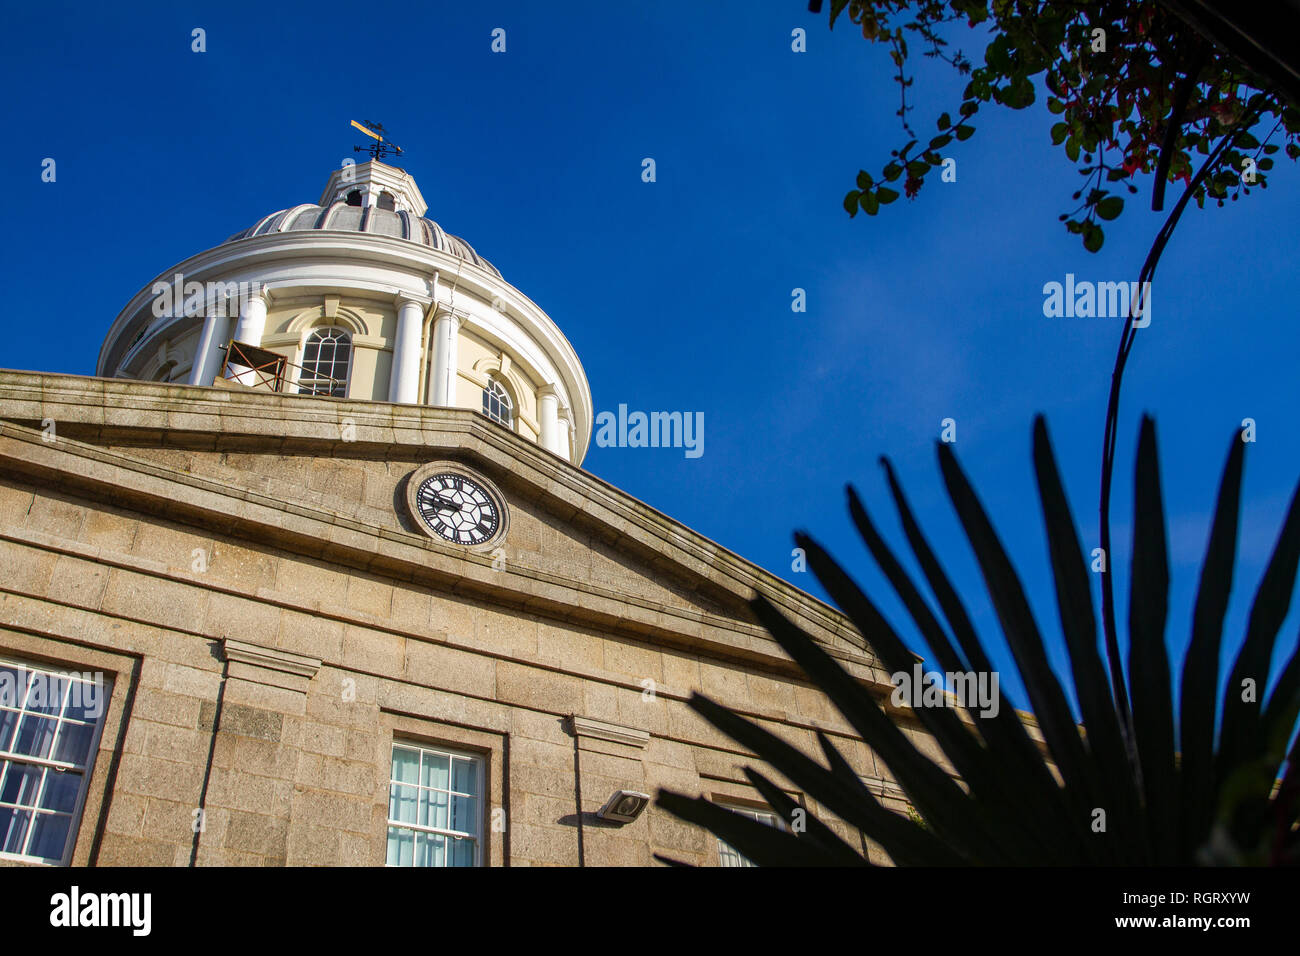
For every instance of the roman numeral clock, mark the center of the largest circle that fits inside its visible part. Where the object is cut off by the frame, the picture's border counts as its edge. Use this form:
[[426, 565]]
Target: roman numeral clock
[[454, 504]]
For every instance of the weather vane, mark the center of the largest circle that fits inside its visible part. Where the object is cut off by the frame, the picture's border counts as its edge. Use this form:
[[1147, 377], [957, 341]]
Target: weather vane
[[380, 147]]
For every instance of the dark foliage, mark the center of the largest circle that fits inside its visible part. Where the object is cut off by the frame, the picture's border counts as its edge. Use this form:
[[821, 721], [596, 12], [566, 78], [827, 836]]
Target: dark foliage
[[1179, 799]]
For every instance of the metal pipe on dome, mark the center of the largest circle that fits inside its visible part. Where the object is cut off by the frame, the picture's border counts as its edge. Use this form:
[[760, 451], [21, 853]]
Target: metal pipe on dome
[[425, 341]]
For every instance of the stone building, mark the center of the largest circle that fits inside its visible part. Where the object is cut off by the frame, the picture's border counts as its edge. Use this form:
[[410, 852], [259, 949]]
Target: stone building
[[310, 573]]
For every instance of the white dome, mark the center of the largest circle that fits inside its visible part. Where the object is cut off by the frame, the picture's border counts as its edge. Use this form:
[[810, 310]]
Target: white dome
[[371, 220]]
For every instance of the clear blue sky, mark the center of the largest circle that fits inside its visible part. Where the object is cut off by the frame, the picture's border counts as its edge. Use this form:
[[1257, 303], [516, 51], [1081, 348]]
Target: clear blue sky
[[677, 294]]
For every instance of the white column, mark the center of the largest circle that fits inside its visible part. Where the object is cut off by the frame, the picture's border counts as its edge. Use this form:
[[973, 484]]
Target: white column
[[548, 418], [252, 320], [446, 334], [563, 446], [208, 356], [404, 384], [249, 329]]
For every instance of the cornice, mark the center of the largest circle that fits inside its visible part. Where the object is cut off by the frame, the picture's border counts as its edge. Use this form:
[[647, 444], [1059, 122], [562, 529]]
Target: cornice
[[136, 412]]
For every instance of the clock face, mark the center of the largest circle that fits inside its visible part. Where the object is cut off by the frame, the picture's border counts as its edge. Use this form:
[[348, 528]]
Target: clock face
[[458, 509]]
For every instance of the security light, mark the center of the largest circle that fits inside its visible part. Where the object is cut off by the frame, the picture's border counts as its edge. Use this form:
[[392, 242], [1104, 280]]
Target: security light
[[624, 806]]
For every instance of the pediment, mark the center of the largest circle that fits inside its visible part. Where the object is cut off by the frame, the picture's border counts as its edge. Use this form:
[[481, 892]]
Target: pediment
[[328, 478]]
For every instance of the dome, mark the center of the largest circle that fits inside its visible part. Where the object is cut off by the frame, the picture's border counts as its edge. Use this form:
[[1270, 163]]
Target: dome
[[341, 315], [341, 217]]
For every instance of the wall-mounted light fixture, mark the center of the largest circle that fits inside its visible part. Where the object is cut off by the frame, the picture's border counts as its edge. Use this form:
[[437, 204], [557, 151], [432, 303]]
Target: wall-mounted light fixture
[[624, 806]]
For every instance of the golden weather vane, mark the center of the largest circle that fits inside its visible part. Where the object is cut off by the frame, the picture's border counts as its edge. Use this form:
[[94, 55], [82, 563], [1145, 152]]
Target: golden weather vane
[[380, 147]]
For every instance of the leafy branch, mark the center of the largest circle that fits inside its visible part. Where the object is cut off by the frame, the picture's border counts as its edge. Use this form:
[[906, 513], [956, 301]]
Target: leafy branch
[[1135, 89]]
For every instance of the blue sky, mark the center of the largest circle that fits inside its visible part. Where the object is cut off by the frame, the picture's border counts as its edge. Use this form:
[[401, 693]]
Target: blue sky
[[677, 294]]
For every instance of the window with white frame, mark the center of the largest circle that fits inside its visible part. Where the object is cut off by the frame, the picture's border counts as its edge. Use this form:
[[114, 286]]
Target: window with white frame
[[49, 730], [325, 359], [497, 404], [435, 807], [727, 854]]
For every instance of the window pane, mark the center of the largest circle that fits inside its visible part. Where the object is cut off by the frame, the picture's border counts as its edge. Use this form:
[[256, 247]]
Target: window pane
[[401, 803], [49, 836], [22, 783], [729, 857], [430, 850], [433, 809], [46, 694], [401, 846], [84, 703], [61, 790], [465, 772], [462, 815], [13, 829], [462, 852], [406, 764], [435, 770], [727, 854], [35, 734], [8, 723], [74, 742], [13, 686]]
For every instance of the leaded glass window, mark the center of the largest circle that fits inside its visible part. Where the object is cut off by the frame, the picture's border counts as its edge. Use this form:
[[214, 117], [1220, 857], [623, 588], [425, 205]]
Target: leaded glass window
[[497, 404], [325, 361]]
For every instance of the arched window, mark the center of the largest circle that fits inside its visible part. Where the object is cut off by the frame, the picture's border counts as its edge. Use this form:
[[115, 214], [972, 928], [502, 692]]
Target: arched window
[[354, 198], [386, 201], [497, 404], [325, 360]]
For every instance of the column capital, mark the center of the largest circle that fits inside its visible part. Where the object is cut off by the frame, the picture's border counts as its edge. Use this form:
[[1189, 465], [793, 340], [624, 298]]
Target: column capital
[[403, 299], [548, 390], [262, 293], [455, 319]]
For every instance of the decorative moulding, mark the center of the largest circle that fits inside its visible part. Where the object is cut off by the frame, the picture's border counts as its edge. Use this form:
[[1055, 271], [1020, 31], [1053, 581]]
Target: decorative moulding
[[269, 665], [602, 730]]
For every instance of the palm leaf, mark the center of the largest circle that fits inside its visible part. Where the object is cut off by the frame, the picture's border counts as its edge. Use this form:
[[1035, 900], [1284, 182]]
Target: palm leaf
[[931, 790], [797, 817], [1239, 737], [1079, 625], [1021, 631], [1013, 809], [1149, 686], [844, 795], [997, 791], [763, 844], [1198, 698], [1004, 731]]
